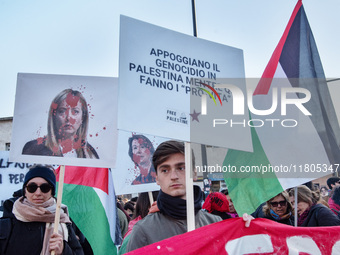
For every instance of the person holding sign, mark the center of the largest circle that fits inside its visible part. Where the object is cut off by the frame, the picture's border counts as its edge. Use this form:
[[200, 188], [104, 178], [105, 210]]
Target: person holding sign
[[66, 129], [28, 228], [170, 219], [140, 152]]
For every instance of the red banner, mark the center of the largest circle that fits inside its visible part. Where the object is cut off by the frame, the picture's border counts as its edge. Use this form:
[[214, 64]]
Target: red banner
[[262, 237]]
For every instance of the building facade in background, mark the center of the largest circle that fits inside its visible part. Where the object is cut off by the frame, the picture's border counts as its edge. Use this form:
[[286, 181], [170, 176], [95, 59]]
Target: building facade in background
[[5, 133]]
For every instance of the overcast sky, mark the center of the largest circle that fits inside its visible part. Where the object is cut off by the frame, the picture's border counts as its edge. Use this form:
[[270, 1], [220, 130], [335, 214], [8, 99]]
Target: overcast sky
[[82, 37]]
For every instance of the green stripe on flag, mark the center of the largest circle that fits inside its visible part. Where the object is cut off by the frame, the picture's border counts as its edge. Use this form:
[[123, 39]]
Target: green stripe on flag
[[249, 190], [88, 213]]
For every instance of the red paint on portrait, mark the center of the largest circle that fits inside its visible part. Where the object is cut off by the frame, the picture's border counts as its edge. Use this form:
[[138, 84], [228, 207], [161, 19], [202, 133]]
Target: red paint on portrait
[[40, 140], [72, 100], [54, 106], [136, 158]]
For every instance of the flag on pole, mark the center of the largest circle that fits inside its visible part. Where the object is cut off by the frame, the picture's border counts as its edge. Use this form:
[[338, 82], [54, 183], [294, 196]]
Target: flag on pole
[[295, 147], [89, 194]]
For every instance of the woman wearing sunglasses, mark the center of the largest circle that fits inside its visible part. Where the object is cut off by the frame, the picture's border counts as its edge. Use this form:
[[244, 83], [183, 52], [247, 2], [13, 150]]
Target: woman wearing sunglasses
[[29, 228], [310, 210], [279, 209]]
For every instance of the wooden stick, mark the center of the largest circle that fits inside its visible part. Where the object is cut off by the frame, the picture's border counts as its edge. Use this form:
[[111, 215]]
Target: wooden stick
[[189, 188], [59, 198], [150, 197]]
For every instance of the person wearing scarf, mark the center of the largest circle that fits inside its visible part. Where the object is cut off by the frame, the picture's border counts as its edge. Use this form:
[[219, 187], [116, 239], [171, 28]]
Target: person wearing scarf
[[279, 209], [169, 216], [32, 219], [169, 219], [310, 211]]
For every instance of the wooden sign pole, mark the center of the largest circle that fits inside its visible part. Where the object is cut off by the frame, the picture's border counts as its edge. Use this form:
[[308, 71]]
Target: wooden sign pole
[[150, 197], [59, 198], [189, 184]]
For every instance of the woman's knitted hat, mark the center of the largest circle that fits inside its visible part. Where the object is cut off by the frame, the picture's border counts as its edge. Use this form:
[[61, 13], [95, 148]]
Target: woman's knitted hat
[[43, 172]]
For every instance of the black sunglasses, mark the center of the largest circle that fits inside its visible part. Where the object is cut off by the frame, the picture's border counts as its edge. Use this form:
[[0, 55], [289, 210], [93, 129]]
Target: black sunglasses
[[32, 187], [281, 203]]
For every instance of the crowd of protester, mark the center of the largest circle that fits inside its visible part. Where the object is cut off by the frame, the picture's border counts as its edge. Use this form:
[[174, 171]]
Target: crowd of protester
[[313, 209]]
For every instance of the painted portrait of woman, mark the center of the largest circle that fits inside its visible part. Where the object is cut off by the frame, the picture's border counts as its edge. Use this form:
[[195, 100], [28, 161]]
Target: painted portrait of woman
[[67, 129], [140, 152]]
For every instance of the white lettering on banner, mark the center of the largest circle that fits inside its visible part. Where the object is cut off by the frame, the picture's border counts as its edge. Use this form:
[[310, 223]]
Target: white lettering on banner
[[262, 244], [336, 248], [299, 244], [250, 244]]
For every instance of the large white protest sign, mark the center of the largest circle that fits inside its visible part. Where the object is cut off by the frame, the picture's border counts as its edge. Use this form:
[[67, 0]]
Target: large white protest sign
[[134, 171], [156, 68], [65, 120]]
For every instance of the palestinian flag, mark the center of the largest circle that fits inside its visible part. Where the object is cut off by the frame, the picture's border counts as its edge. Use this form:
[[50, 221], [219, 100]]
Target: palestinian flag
[[294, 147], [89, 194]]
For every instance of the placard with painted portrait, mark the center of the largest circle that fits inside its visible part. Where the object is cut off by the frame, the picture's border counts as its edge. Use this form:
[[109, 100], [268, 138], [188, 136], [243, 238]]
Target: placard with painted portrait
[[65, 120]]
